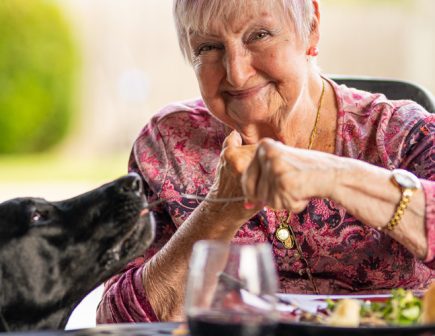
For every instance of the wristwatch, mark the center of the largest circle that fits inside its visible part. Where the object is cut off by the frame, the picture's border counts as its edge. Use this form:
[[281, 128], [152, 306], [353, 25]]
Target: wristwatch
[[408, 184]]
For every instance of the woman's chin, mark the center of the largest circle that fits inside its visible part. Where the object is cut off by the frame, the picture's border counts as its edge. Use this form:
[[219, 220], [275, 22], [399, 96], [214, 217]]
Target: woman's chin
[[249, 113]]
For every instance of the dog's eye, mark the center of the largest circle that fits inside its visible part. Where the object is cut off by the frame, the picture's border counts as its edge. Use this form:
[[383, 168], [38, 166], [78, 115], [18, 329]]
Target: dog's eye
[[37, 217]]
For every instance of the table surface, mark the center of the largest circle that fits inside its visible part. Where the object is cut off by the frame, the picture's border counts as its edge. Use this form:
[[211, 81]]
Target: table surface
[[167, 329], [130, 329], [283, 329]]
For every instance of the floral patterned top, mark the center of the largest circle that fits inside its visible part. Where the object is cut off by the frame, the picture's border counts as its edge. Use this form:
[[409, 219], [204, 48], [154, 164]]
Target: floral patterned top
[[178, 151]]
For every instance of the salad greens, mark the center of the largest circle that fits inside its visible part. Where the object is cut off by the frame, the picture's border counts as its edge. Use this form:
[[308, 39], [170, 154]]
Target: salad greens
[[402, 309]]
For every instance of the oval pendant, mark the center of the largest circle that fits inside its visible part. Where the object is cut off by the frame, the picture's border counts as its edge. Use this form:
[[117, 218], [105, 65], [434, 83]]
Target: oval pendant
[[283, 235]]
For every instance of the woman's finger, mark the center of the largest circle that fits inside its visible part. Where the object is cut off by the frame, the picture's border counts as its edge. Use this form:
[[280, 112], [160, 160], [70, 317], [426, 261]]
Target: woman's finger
[[250, 177], [263, 182], [299, 206], [233, 139]]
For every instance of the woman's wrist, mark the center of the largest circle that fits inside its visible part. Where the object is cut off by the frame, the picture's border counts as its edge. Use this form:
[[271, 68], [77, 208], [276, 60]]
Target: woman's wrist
[[224, 219], [364, 190], [236, 211], [411, 231]]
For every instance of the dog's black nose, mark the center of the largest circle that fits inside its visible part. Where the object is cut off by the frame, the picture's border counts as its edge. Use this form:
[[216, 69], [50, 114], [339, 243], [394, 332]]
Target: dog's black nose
[[131, 184]]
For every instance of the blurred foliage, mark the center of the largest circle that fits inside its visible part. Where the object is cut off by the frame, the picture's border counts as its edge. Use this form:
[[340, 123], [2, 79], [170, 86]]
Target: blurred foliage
[[38, 63]]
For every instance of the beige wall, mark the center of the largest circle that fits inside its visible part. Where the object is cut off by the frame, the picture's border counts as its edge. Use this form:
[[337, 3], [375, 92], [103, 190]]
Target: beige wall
[[393, 38], [132, 65]]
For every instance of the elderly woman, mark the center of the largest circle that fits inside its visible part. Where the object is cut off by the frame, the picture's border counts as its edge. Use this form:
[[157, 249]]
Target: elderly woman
[[316, 161]]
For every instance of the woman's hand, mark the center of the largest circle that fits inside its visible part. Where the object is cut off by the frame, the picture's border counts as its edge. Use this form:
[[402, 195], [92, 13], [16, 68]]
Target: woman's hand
[[284, 177], [234, 160]]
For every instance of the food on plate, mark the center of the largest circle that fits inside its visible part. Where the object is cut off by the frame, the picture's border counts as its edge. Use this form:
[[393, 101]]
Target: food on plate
[[345, 314], [181, 330], [403, 308]]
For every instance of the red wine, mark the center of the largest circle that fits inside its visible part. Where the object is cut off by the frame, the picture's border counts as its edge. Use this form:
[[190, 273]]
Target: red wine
[[206, 325]]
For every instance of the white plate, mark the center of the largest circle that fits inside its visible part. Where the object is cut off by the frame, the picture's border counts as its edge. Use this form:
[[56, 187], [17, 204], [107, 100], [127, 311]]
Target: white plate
[[312, 303]]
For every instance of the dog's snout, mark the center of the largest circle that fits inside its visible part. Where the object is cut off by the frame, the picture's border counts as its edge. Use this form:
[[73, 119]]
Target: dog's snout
[[131, 184]]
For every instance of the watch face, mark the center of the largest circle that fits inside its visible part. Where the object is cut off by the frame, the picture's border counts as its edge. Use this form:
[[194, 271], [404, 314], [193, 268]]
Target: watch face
[[406, 179]]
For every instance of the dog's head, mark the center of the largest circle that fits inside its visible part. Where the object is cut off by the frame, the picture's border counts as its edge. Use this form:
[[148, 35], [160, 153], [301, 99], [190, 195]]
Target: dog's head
[[53, 253]]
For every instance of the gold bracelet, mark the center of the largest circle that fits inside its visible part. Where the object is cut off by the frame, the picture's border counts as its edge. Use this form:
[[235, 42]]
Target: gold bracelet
[[400, 210], [408, 183]]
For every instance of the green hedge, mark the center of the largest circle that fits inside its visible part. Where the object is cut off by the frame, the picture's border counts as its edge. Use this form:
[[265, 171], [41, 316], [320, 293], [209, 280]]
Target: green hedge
[[38, 66]]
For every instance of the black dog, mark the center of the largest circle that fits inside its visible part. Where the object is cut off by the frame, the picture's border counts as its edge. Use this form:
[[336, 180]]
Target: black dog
[[54, 253]]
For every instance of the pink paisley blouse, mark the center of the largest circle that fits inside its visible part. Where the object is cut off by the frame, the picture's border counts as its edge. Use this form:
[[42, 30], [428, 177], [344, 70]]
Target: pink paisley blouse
[[178, 151]]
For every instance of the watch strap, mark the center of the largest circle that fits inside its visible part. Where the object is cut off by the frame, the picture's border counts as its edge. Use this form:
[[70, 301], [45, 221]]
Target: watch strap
[[400, 209], [408, 184]]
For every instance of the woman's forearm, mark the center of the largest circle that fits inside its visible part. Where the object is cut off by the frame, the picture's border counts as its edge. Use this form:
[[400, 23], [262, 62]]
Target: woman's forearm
[[369, 194], [165, 275], [285, 177]]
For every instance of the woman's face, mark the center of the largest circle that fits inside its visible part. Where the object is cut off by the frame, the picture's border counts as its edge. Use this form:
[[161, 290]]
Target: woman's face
[[251, 70]]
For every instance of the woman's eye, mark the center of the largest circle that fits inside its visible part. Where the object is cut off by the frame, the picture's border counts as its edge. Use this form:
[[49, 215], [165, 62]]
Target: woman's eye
[[260, 35], [207, 47], [204, 48]]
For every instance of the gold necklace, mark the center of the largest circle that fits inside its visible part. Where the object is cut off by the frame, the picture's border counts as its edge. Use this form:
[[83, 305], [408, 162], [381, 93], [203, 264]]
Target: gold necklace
[[284, 233]]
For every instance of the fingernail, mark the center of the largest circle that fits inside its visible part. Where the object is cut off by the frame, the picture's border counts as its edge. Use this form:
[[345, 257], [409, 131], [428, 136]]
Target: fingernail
[[248, 205]]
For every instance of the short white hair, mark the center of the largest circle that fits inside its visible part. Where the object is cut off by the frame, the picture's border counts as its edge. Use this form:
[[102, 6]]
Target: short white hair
[[195, 15]]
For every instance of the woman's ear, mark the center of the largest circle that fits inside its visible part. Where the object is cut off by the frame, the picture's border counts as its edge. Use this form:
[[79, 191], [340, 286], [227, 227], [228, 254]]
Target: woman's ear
[[316, 10], [315, 29]]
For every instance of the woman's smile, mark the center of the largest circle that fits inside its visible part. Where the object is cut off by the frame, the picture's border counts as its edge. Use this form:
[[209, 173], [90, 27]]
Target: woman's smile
[[246, 93]]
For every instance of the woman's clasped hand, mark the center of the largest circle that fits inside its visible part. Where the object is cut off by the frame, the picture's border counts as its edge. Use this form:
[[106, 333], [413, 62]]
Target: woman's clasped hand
[[285, 177]]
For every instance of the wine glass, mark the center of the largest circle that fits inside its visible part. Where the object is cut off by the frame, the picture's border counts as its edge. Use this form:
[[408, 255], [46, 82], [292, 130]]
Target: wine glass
[[231, 290]]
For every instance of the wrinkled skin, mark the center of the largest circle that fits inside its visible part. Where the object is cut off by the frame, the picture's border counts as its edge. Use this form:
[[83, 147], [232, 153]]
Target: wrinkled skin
[[53, 253], [284, 177]]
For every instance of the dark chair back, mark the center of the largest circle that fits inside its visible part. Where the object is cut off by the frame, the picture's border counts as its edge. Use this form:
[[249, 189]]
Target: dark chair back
[[392, 89]]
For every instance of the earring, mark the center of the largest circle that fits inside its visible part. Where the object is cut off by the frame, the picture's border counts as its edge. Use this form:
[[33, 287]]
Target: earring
[[313, 51]]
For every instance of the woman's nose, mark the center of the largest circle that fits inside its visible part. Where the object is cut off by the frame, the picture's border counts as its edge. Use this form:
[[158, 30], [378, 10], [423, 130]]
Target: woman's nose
[[238, 66]]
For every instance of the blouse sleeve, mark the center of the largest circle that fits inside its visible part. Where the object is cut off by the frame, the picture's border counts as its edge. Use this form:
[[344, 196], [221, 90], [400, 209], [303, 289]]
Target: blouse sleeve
[[418, 156], [429, 190], [124, 297]]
